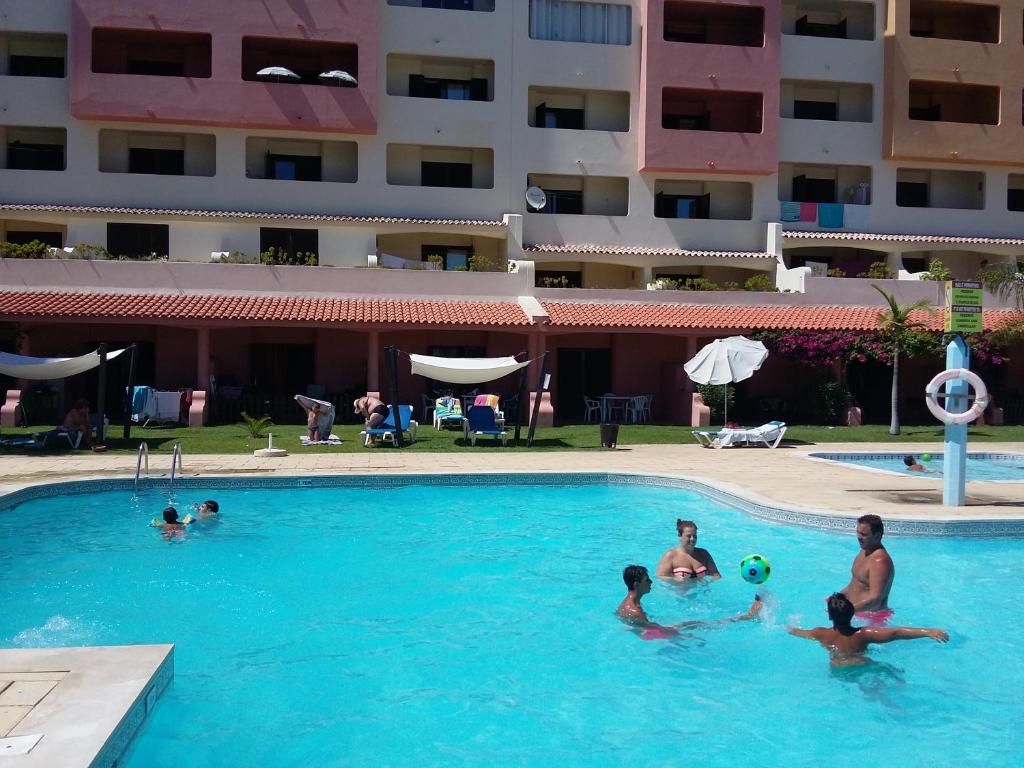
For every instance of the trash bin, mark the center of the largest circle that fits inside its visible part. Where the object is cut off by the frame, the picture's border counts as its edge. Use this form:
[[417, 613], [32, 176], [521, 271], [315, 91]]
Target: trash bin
[[609, 435]]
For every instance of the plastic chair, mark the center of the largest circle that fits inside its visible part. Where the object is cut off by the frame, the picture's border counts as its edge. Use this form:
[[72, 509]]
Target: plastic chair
[[593, 409], [638, 410]]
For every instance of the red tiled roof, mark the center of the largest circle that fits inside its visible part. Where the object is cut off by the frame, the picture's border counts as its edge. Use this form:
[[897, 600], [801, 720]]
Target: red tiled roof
[[616, 250], [818, 235], [204, 214], [125, 306], [590, 315]]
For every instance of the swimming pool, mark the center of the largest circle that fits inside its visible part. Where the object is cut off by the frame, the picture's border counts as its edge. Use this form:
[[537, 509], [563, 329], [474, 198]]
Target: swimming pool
[[429, 625], [989, 467]]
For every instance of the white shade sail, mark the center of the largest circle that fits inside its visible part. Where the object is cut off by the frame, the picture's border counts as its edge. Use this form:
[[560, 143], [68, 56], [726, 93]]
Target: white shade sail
[[724, 361], [465, 370], [43, 368]]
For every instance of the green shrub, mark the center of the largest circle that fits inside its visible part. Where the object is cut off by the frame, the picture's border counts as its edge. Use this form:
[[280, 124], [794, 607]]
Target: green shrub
[[436, 258], [554, 282], [482, 262], [280, 257], [831, 402], [760, 283], [732, 285], [714, 396], [937, 271], [699, 284], [32, 250], [878, 270], [835, 272], [255, 427], [91, 252]]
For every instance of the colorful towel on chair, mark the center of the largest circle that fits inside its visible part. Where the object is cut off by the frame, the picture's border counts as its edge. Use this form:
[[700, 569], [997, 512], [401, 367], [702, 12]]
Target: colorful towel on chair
[[491, 400]]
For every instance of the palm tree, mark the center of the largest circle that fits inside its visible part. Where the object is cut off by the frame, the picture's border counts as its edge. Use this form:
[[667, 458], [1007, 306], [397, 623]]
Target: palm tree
[[1007, 282], [895, 322]]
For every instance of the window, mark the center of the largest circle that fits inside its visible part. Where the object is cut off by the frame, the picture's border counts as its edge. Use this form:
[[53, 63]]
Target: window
[[572, 22], [563, 201], [36, 66], [30, 156], [912, 194], [453, 257], [1015, 193], [557, 117], [133, 240], [682, 206], [447, 88], [814, 110], [289, 241], [166, 162], [293, 167], [818, 29], [446, 174], [23, 237], [811, 190]]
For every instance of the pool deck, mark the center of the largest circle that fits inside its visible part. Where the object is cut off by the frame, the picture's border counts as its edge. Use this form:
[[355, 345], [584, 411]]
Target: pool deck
[[783, 477]]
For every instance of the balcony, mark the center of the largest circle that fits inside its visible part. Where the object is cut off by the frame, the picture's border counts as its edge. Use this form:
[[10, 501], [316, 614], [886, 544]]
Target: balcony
[[721, 200], [954, 21], [711, 110], [581, 195], [821, 18], [577, 109], [298, 160], [707, 24], [412, 165], [919, 188], [447, 5], [165, 154], [156, 53], [33, 55], [808, 183], [841, 102], [953, 102], [435, 77], [30, 148]]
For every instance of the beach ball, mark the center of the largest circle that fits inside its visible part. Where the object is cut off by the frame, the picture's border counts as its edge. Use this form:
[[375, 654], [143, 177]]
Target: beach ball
[[755, 569], [926, 457]]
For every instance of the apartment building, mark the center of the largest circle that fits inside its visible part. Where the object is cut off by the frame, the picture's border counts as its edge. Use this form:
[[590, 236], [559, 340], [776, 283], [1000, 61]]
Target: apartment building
[[656, 138]]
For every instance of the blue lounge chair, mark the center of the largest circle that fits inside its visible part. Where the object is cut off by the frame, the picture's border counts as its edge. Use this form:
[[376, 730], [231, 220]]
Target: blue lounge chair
[[386, 431], [481, 421]]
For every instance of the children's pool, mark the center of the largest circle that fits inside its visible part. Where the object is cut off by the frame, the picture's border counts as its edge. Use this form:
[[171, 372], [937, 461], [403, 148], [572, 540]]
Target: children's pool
[[992, 467], [425, 625]]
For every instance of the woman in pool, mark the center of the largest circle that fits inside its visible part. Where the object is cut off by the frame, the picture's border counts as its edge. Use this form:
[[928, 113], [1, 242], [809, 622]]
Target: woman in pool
[[687, 561]]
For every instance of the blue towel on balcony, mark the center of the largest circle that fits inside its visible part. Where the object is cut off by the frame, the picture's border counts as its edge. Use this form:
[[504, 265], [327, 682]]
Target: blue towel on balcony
[[830, 215], [789, 211]]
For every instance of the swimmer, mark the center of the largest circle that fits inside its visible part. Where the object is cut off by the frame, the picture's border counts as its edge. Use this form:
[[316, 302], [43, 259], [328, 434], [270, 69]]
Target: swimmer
[[873, 571], [172, 526], [687, 561], [913, 466], [847, 644], [638, 584], [207, 510]]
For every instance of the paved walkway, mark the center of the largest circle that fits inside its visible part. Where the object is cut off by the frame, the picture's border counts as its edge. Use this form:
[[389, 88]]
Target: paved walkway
[[783, 477]]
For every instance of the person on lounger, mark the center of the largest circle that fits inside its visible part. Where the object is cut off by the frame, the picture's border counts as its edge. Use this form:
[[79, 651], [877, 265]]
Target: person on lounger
[[372, 410], [847, 644], [77, 420], [687, 561]]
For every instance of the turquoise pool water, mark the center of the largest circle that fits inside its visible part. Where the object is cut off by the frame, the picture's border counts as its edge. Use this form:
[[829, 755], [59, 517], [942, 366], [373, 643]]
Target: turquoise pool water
[[1004, 467], [439, 626]]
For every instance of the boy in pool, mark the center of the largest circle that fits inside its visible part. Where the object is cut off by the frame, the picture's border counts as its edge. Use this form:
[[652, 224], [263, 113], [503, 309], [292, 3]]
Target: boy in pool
[[207, 510], [913, 466], [638, 584], [172, 526], [847, 644]]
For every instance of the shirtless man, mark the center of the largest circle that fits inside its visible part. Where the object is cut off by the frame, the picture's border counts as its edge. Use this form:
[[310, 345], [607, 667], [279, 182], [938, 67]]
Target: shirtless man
[[847, 644], [687, 561], [372, 410], [912, 466], [872, 572], [638, 584], [77, 420], [207, 510]]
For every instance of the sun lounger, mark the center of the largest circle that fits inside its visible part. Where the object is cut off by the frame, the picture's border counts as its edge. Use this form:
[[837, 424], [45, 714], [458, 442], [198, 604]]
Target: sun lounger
[[769, 435], [481, 421], [386, 431]]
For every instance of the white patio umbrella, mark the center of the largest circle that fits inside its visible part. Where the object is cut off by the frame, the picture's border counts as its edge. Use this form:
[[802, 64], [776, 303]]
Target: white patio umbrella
[[277, 74], [725, 361], [339, 77]]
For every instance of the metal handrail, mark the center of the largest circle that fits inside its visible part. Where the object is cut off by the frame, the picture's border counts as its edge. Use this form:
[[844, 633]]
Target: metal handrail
[[175, 463], [143, 451]]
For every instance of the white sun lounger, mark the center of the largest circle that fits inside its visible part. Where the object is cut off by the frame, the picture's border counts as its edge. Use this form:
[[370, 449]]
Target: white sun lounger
[[769, 435]]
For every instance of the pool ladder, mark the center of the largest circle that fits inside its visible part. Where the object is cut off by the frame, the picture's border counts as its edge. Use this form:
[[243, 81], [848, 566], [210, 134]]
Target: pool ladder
[[176, 463]]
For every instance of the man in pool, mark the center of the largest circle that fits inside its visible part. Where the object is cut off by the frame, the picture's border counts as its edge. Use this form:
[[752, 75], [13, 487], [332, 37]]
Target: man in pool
[[872, 573], [638, 584], [207, 510], [847, 644], [913, 466]]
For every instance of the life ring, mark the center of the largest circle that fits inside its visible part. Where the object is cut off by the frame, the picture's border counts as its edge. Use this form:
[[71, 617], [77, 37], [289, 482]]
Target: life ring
[[973, 413]]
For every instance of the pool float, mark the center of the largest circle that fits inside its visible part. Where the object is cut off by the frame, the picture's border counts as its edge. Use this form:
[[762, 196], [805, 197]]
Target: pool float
[[158, 523], [953, 374]]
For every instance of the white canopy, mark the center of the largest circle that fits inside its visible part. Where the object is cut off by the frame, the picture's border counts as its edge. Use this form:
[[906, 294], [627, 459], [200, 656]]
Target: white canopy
[[43, 368], [465, 370]]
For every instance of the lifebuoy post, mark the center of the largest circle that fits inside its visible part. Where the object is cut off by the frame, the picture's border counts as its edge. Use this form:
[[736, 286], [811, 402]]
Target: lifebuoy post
[[954, 450]]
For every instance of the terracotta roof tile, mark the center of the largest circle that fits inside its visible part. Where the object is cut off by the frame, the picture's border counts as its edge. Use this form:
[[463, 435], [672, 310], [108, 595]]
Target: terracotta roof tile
[[863, 236], [616, 250], [53, 304], [590, 315], [206, 214]]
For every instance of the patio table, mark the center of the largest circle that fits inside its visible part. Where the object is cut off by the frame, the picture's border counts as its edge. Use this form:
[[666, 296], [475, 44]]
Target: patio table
[[612, 403]]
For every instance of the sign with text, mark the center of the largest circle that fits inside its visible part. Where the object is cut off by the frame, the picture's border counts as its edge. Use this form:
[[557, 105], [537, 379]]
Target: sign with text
[[963, 306]]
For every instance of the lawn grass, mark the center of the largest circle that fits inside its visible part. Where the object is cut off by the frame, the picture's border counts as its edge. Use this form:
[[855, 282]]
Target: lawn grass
[[234, 439]]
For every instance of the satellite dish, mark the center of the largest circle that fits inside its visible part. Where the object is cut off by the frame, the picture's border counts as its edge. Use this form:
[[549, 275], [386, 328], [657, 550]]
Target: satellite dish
[[535, 198]]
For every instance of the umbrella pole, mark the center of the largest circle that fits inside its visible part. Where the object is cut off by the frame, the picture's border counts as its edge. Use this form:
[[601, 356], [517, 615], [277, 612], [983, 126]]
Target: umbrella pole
[[725, 406]]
